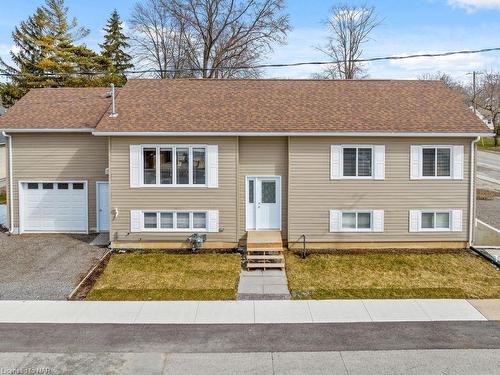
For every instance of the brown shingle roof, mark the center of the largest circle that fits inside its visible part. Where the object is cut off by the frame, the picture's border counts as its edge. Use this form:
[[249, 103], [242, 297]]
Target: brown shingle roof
[[61, 108], [191, 105], [289, 106]]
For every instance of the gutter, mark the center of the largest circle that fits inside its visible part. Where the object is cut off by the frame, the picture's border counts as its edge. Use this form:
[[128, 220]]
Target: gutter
[[289, 134], [46, 130], [472, 189], [11, 193]]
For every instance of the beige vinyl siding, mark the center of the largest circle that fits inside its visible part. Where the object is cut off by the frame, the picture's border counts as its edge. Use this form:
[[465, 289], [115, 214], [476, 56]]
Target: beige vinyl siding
[[263, 156], [124, 198], [313, 194], [59, 157]]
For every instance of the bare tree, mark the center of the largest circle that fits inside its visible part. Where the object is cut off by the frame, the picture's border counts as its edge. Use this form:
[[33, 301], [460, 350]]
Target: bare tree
[[349, 27], [488, 99], [157, 40], [208, 38]]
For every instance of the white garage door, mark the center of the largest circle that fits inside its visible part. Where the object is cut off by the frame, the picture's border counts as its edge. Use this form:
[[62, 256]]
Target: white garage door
[[53, 207]]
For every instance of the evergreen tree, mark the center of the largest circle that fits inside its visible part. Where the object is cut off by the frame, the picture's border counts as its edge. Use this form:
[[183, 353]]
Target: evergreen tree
[[46, 54], [115, 46]]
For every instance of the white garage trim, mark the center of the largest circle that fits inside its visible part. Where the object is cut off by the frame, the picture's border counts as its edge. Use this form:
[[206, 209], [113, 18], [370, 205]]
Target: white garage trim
[[21, 204]]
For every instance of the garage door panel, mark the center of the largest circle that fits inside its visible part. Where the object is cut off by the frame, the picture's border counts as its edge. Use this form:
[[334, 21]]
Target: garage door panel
[[54, 210]]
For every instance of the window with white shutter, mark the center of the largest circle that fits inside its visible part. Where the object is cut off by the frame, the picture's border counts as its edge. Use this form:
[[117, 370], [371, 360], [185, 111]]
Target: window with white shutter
[[357, 162], [356, 221], [174, 166], [426, 220], [174, 220], [436, 162]]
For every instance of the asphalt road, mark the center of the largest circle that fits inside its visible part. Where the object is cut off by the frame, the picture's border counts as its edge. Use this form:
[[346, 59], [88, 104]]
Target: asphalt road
[[488, 164], [241, 338]]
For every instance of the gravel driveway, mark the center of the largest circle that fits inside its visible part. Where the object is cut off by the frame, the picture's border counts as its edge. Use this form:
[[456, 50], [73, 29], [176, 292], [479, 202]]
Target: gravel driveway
[[44, 267]]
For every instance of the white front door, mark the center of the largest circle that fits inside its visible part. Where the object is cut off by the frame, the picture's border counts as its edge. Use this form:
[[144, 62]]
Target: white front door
[[102, 207], [263, 203]]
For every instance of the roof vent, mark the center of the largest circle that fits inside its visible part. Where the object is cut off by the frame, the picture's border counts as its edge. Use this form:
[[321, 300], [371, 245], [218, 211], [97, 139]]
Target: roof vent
[[113, 104]]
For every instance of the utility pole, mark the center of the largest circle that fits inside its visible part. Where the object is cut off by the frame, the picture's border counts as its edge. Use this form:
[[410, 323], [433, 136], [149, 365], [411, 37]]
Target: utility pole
[[474, 73]]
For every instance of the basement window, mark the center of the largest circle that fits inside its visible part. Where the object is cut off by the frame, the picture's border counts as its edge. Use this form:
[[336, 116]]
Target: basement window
[[175, 221]]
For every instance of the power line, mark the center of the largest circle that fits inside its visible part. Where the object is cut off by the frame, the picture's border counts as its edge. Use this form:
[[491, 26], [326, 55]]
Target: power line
[[264, 66]]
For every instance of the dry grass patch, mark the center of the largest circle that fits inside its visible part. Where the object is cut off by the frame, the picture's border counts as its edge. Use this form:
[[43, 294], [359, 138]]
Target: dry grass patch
[[486, 195], [159, 276], [392, 275]]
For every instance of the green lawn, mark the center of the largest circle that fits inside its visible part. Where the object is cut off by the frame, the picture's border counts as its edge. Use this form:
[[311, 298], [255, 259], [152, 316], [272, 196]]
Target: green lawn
[[391, 275], [159, 276], [3, 198]]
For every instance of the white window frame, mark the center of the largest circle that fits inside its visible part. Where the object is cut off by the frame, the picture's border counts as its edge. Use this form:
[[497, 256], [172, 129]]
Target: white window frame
[[342, 212], [175, 229], [174, 148], [371, 177], [435, 177], [450, 219]]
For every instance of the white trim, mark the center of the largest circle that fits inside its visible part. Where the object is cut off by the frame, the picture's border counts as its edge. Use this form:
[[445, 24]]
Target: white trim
[[45, 130], [302, 134], [11, 185], [357, 147], [336, 218], [278, 201], [472, 189], [21, 201], [421, 160], [174, 213], [97, 205], [173, 148], [435, 229]]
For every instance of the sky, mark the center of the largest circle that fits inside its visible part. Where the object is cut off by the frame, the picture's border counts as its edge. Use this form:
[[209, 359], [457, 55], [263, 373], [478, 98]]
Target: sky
[[408, 27]]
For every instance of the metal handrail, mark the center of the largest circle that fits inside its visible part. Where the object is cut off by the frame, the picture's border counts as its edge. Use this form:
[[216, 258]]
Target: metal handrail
[[303, 253]]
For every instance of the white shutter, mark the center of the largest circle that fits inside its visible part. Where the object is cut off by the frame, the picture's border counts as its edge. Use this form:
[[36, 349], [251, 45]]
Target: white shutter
[[378, 220], [456, 220], [213, 166], [415, 217], [335, 158], [458, 162], [135, 166], [213, 221], [415, 162], [379, 162], [335, 217], [135, 220]]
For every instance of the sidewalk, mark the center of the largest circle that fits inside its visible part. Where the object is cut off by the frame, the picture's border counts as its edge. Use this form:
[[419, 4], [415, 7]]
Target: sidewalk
[[242, 312]]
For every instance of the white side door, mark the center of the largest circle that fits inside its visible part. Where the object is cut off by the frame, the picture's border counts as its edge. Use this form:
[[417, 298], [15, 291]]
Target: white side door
[[268, 203], [102, 207]]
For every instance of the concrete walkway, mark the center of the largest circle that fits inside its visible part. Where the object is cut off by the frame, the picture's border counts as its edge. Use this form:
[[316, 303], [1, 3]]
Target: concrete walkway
[[263, 285], [458, 362], [241, 312]]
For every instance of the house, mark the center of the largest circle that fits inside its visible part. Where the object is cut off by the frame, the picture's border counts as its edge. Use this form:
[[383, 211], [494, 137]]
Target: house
[[344, 164]]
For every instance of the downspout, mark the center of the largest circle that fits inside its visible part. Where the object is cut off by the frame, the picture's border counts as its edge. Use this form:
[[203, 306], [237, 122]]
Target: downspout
[[11, 194], [472, 204]]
